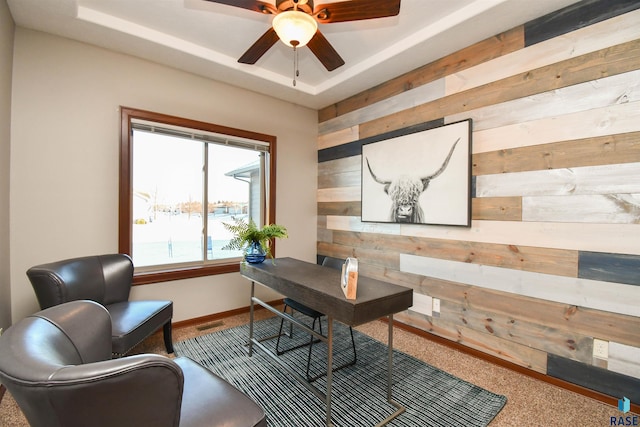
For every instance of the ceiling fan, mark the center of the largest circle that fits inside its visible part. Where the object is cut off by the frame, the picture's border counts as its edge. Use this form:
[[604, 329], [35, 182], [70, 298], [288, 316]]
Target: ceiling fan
[[295, 22]]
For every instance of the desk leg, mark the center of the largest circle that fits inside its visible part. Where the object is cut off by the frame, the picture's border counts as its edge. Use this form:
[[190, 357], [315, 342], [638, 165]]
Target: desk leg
[[390, 358], [399, 408], [329, 366], [253, 289]]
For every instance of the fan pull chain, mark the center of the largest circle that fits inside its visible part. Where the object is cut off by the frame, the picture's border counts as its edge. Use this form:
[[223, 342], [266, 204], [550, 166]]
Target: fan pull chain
[[296, 71]]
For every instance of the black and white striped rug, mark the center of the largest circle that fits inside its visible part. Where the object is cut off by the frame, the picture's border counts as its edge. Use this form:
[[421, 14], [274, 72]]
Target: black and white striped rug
[[432, 397]]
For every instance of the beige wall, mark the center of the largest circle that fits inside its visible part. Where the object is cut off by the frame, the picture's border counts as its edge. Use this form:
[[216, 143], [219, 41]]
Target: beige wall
[[64, 142], [6, 63]]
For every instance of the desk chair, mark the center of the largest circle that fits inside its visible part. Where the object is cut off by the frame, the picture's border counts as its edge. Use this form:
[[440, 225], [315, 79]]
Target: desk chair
[[317, 318]]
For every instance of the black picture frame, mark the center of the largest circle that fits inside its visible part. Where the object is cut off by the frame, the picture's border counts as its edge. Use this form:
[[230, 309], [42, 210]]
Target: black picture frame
[[419, 178]]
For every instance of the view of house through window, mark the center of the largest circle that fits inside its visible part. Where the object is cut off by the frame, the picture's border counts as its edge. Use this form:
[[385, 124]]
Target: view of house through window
[[185, 183]]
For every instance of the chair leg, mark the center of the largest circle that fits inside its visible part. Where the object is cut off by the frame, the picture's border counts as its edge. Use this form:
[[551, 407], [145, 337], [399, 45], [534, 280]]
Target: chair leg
[[168, 340], [291, 326], [278, 352], [347, 364], [353, 343], [291, 312], [311, 341]]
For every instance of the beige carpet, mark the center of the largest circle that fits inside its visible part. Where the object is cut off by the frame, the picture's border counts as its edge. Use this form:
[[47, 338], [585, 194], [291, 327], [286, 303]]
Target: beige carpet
[[529, 402]]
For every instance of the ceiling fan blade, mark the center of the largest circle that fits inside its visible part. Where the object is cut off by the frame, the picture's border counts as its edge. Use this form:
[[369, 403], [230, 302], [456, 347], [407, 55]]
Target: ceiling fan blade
[[255, 5], [260, 47], [323, 50], [355, 10]]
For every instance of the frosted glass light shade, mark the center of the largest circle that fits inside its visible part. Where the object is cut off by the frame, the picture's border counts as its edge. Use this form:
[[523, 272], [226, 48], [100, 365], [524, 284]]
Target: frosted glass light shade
[[294, 28]]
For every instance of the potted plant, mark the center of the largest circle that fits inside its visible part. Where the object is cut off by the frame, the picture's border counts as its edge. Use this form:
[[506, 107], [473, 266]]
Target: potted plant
[[254, 241]]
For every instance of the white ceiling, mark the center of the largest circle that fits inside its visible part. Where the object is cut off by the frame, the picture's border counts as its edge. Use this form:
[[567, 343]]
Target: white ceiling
[[207, 39]]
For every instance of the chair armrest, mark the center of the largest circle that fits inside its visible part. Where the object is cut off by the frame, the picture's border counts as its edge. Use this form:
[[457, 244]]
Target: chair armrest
[[137, 390]]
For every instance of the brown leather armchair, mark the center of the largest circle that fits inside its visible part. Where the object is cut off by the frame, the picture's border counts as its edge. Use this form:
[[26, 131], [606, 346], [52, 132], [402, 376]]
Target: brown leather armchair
[[105, 279], [57, 366]]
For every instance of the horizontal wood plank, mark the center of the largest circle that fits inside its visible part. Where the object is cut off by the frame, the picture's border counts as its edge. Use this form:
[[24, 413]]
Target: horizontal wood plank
[[602, 380], [340, 152], [621, 118], [624, 359], [616, 268], [577, 15], [340, 208], [600, 150], [323, 234], [339, 137], [536, 335], [353, 223], [388, 259], [604, 92], [503, 349], [345, 164], [340, 179], [497, 208], [586, 180], [542, 260], [598, 295], [340, 194], [569, 318], [606, 208]]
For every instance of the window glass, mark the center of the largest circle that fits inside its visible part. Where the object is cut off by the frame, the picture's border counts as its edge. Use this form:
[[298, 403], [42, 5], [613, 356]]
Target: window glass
[[234, 191]]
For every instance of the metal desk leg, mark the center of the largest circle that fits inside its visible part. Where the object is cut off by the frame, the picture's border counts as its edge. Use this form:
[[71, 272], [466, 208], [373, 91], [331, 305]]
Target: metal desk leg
[[399, 408], [390, 358], [329, 366], [253, 289]]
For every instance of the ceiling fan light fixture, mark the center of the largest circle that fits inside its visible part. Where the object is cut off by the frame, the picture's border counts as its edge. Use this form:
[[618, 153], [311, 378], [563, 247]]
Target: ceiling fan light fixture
[[294, 28]]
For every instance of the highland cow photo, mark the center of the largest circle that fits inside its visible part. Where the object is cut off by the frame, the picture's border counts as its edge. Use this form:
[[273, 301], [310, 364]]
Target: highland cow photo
[[420, 178]]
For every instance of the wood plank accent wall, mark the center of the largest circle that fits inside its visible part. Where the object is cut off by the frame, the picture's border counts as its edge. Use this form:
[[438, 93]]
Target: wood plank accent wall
[[552, 258]]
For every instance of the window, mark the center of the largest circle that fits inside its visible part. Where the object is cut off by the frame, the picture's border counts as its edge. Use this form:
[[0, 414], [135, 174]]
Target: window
[[180, 180]]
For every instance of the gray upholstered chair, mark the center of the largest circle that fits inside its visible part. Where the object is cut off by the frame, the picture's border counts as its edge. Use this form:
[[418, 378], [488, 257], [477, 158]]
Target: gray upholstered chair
[[105, 279], [57, 366]]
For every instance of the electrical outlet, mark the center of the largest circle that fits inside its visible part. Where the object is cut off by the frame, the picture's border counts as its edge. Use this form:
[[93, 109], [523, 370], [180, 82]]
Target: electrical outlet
[[436, 307], [600, 349], [421, 304]]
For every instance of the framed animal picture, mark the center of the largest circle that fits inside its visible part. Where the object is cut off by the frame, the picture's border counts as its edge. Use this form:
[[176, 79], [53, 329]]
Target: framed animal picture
[[419, 178]]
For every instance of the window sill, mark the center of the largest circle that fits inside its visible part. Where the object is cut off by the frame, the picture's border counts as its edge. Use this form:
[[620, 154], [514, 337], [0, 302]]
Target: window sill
[[168, 275]]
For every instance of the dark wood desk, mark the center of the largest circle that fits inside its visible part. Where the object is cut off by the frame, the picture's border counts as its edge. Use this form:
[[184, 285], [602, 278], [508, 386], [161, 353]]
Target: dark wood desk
[[318, 287]]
